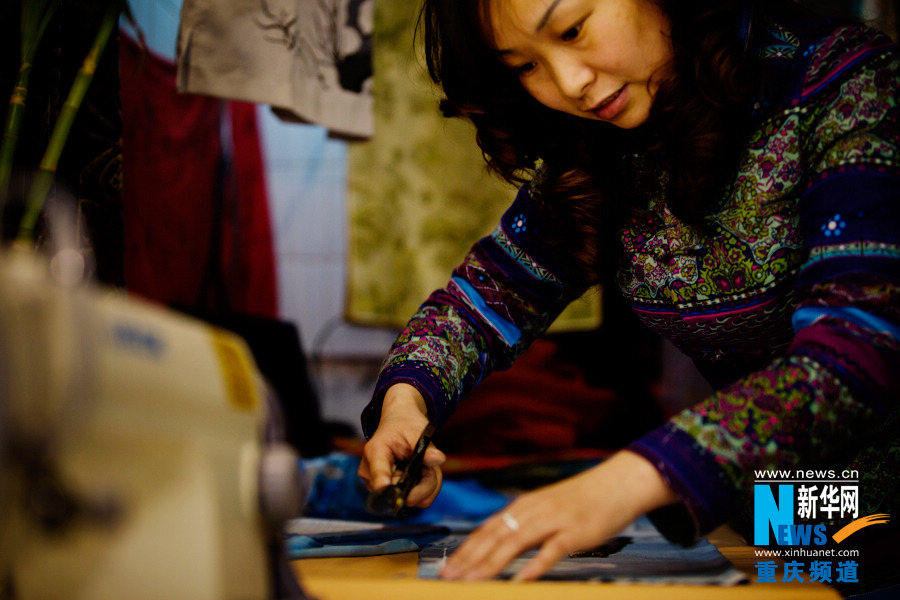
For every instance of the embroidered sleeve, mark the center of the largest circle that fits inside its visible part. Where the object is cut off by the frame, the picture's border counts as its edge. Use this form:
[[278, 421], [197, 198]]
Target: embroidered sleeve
[[838, 386], [500, 299]]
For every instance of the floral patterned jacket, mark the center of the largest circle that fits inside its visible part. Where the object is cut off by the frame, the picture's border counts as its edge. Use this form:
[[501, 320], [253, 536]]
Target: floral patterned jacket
[[789, 303]]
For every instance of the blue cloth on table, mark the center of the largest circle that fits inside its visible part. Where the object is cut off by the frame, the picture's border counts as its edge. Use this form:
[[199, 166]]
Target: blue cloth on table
[[336, 492], [370, 542], [301, 546]]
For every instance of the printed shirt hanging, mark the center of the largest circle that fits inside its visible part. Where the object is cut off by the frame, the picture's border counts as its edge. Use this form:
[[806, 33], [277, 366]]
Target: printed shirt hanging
[[311, 60]]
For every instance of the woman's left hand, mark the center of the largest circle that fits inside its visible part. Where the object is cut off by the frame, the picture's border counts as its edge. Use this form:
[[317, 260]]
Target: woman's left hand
[[578, 513]]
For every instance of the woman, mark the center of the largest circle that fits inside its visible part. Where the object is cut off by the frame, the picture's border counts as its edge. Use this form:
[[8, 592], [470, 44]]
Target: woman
[[747, 161]]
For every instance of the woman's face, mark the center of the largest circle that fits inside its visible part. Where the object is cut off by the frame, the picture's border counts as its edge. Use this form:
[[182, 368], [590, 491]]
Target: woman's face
[[596, 59]]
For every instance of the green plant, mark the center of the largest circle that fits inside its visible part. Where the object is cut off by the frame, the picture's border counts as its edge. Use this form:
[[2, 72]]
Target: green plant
[[36, 15], [46, 171]]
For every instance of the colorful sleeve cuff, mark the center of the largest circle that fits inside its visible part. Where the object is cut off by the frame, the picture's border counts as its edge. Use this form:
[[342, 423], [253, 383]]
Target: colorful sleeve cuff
[[706, 493]]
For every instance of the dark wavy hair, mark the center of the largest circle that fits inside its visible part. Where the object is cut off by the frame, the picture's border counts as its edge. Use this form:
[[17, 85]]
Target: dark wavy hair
[[692, 125]]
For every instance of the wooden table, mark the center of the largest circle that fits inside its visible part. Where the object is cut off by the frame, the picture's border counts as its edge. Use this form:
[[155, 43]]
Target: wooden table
[[393, 577]]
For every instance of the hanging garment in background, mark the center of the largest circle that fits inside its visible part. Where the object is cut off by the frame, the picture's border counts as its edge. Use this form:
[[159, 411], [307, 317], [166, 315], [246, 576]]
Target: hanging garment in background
[[197, 230], [311, 60]]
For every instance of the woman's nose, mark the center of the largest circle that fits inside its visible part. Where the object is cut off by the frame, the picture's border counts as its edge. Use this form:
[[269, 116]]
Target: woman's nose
[[572, 76]]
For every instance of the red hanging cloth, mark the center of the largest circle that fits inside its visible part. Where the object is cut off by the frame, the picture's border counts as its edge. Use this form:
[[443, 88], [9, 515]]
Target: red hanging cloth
[[196, 221]]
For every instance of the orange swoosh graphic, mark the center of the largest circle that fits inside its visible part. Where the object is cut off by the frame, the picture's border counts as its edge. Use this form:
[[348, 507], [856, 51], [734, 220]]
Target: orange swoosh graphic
[[851, 528]]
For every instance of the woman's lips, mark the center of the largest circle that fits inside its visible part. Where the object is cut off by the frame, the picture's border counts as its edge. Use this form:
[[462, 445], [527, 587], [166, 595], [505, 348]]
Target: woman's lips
[[612, 105]]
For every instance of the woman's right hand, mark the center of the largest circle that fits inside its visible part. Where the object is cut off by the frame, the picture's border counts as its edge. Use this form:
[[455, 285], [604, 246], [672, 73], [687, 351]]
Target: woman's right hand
[[403, 419]]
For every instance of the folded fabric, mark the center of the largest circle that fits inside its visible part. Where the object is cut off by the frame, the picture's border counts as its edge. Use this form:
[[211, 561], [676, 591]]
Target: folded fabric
[[301, 546], [364, 542]]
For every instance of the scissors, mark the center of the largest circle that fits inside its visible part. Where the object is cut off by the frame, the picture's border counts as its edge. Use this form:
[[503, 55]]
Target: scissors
[[391, 500]]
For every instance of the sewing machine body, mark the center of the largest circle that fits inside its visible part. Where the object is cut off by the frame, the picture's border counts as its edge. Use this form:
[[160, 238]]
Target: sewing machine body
[[131, 439]]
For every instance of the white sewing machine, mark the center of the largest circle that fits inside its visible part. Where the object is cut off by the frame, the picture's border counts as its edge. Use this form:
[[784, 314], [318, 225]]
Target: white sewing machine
[[133, 457]]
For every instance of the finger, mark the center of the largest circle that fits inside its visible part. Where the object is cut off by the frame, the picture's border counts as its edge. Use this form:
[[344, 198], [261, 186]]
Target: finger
[[551, 551], [434, 457], [508, 544], [377, 466], [424, 493], [363, 470], [490, 548], [475, 549]]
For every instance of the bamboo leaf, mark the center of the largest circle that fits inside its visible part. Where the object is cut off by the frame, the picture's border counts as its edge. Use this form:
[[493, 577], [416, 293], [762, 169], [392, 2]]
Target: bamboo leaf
[[46, 172], [36, 16]]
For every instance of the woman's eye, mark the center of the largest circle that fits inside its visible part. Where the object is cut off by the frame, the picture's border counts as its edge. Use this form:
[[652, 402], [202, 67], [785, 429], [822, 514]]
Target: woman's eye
[[571, 33], [524, 69]]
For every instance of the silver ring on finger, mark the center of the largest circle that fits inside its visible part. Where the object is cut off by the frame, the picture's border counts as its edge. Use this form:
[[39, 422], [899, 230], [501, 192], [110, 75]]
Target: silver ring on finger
[[510, 521]]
